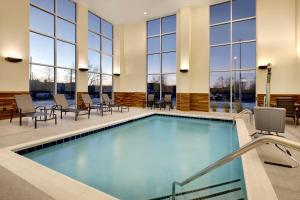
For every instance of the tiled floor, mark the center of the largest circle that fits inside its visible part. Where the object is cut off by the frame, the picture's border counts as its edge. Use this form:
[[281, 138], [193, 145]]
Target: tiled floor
[[285, 181]]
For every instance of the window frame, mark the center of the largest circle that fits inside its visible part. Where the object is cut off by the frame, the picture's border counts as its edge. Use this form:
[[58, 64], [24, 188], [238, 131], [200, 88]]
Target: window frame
[[160, 53], [232, 70], [57, 39], [101, 53]]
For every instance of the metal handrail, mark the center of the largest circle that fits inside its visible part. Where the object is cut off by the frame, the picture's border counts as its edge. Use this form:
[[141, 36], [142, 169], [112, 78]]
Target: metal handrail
[[244, 149]]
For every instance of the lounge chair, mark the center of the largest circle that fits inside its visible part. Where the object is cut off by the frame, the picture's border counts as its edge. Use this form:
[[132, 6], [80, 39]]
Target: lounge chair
[[108, 102], [89, 104], [62, 104], [168, 101], [289, 104], [26, 109], [150, 101], [269, 121]]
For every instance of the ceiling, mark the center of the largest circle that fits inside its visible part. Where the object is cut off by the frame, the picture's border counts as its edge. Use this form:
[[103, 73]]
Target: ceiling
[[130, 11]]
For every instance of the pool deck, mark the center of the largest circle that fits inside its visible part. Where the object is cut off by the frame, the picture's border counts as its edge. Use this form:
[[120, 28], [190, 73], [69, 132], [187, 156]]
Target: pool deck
[[285, 181]]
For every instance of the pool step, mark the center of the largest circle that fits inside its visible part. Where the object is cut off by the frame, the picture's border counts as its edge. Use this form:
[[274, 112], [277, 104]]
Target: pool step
[[225, 190], [219, 195]]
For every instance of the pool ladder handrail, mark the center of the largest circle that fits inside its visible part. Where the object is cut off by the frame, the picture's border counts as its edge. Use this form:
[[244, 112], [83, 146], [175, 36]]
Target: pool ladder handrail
[[244, 149], [243, 112]]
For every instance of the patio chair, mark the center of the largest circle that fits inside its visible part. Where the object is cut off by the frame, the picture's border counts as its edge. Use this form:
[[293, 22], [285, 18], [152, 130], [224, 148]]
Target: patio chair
[[272, 120], [62, 104], [150, 101], [26, 108], [168, 101], [89, 104], [108, 102], [289, 104]]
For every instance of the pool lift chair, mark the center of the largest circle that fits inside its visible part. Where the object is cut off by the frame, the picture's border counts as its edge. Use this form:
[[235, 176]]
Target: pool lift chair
[[271, 121]]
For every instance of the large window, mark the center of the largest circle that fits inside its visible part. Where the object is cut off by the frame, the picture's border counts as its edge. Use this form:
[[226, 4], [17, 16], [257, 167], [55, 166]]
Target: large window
[[52, 50], [100, 57], [161, 57], [233, 55]]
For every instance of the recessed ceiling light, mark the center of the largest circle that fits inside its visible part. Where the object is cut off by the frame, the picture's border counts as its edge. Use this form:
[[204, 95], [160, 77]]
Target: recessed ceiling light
[[145, 13]]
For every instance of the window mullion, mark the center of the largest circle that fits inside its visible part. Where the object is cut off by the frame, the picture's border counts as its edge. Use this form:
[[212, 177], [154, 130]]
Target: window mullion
[[55, 47], [160, 38]]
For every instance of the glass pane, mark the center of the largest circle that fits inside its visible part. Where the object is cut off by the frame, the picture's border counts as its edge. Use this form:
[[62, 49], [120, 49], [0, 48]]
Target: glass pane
[[220, 90], [169, 86], [106, 64], [153, 45], [220, 34], [65, 55], [47, 5], [243, 89], [220, 13], [41, 49], [244, 30], [107, 29], [169, 24], [107, 85], [247, 53], [94, 86], [94, 23], [94, 61], [42, 84], [243, 8], [154, 64], [169, 62], [153, 27], [65, 30], [67, 10], [106, 45], [169, 42], [66, 83], [94, 41], [153, 86], [220, 58], [41, 21]]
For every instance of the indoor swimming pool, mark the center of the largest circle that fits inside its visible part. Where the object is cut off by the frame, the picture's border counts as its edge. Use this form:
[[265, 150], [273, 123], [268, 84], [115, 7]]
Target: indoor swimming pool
[[141, 159]]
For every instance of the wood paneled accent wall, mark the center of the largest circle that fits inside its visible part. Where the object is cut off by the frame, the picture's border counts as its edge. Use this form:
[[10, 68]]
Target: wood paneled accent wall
[[192, 102], [8, 103], [134, 99], [183, 101], [200, 102], [260, 98]]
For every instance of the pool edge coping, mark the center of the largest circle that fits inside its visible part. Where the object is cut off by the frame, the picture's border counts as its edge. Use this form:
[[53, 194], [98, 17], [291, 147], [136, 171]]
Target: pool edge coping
[[254, 191], [257, 182]]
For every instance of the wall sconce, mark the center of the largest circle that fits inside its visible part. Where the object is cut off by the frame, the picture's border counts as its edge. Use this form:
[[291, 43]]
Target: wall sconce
[[83, 69], [117, 74], [265, 66], [183, 70], [13, 60], [184, 67]]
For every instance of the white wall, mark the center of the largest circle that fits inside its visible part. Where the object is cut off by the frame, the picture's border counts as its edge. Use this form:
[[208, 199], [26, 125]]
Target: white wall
[[193, 49], [184, 39], [133, 62], [276, 43], [118, 54], [82, 48], [14, 42], [199, 72], [298, 33]]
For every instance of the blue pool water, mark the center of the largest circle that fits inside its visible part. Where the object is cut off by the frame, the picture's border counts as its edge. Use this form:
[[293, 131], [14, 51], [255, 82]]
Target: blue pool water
[[141, 159]]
